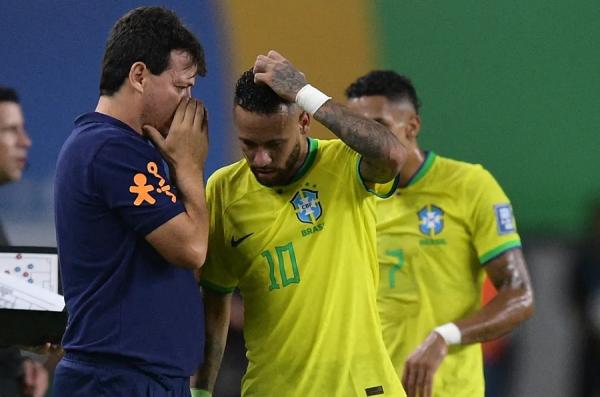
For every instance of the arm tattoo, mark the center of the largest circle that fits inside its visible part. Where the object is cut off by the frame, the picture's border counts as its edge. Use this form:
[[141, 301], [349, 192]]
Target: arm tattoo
[[213, 351], [365, 136], [512, 305], [288, 80]]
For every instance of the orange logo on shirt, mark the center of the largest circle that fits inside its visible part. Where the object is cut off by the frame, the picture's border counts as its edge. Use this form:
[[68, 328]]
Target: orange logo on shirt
[[142, 189], [166, 189]]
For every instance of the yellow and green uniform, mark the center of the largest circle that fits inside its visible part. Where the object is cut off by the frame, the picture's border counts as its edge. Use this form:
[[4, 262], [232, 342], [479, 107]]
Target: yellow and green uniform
[[434, 238], [305, 260]]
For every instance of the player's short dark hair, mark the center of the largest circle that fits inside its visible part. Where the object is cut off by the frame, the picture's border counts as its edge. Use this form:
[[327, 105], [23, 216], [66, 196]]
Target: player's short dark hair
[[387, 83], [146, 34], [8, 94], [256, 98]]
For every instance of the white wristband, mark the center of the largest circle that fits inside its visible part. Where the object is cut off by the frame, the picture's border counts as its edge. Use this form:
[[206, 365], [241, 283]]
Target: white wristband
[[450, 333], [311, 99]]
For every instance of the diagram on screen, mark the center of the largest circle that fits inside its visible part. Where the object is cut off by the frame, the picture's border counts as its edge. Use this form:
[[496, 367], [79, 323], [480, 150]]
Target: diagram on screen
[[38, 269], [29, 281]]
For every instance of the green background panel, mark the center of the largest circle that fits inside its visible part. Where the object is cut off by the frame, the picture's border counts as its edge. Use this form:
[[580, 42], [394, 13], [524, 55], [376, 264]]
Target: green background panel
[[514, 85]]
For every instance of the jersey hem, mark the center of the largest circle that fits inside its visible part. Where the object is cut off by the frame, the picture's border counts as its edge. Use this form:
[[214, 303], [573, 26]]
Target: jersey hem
[[216, 287]]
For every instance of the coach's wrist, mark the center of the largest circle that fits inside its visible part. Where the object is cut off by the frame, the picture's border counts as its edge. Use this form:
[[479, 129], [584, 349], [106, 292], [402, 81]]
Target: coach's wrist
[[200, 393]]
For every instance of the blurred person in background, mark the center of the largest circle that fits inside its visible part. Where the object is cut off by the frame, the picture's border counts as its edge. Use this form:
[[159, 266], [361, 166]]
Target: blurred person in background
[[446, 227], [129, 242], [586, 291], [292, 225], [19, 376]]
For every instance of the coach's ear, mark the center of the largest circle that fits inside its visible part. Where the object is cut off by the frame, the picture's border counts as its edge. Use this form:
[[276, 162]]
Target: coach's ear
[[304, 123], [136, 76]]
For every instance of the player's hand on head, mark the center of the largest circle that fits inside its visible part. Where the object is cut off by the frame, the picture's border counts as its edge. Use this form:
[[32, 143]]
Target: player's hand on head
[[187, 141], [279, 74], [421, 365]]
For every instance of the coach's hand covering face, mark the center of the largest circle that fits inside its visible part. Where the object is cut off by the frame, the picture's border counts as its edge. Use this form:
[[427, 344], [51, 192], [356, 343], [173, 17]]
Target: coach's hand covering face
[[162, 93]]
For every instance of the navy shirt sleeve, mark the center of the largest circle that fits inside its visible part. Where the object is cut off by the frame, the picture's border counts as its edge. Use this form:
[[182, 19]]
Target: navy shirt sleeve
[[130, 177]]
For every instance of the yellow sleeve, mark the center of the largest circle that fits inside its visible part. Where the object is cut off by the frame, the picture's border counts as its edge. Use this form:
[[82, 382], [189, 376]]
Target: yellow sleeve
[[217, 273], [381, 190], [492, 223]]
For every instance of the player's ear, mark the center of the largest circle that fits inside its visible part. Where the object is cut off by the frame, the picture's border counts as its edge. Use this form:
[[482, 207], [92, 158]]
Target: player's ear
[[413, 126], [136, 76], [304, 123]]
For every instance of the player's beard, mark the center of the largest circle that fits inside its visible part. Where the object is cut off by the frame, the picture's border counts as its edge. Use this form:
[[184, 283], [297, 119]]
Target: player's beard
[[285, 173]]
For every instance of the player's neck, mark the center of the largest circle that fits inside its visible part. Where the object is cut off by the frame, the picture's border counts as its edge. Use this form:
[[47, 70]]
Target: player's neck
[[304, 145], [414, 161]]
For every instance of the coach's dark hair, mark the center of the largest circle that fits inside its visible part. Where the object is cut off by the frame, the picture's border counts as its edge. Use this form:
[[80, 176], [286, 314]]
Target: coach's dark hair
[[387, 83], [8, 95], [256, 98], [148, 35]]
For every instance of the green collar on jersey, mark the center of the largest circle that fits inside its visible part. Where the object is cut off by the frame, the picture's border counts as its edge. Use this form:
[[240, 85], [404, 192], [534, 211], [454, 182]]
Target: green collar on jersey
[[313, 146], [423, 169]]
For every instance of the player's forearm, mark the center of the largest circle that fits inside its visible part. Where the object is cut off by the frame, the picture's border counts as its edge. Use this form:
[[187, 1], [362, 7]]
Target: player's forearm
[[217, 315], [377, 145], [207, 374], [509, 308]]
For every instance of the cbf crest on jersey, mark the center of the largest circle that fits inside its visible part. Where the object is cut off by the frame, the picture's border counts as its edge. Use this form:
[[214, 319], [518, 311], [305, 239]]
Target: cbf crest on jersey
[[431, 220], [307, 206]]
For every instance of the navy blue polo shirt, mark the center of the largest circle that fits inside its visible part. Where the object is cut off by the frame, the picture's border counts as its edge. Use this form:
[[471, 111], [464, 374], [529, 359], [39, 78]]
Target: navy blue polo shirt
[[124, 300]]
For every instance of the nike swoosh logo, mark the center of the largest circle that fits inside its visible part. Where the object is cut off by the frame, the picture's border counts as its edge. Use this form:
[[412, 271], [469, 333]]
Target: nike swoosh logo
[[235, 243]]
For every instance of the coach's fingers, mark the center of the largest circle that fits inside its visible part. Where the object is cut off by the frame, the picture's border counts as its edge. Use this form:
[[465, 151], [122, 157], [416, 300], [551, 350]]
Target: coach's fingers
[[190, 111], [180, 111], [205, 122], [199, 113]]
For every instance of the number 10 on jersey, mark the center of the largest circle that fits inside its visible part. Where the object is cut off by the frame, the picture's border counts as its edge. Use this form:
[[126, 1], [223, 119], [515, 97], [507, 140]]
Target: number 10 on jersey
[[286, 266]]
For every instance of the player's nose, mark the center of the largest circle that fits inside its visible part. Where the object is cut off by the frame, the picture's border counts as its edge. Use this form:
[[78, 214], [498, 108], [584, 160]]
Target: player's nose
[[262, 158]]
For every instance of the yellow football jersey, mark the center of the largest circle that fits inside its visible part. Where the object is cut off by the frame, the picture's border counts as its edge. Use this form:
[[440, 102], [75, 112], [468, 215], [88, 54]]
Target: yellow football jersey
[[434, 237], [304, 257]]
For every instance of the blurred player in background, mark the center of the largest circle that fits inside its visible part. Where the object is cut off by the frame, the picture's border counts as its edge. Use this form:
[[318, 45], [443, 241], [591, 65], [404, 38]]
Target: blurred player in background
[[293, 227], [18, 376], [447, 225], [128, 241]]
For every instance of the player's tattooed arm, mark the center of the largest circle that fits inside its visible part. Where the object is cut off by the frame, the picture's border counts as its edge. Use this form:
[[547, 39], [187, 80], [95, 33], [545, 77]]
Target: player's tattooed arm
[[382, 153], [217, 313], [512, 305]]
